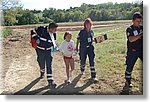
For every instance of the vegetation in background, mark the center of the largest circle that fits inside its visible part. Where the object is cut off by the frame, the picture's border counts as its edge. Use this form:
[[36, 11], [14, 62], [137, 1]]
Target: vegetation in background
[[6, 32], [16, 15]]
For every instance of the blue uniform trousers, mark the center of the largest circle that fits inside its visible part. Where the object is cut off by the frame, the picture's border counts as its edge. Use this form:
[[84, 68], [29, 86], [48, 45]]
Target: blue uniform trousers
[[84, 51], [131, 58], [44, 58]]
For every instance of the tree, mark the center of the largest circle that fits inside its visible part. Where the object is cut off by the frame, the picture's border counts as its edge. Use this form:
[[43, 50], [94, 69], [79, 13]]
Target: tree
[[10, 17], [27, 18]]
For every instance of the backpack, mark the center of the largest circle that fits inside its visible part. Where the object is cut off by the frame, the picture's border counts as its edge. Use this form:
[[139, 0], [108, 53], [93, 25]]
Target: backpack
[[32, 40]]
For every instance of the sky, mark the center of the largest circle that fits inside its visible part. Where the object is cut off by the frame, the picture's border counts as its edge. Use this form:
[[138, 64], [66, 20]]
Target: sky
[[64, 4]]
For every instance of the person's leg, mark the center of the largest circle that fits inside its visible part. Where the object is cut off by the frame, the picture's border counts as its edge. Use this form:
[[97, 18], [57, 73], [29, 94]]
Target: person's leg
[[72, 68], [91, 56], [72, 64], [67, 67], [130, 61], [49, 67], [41, 61], [83, 56]]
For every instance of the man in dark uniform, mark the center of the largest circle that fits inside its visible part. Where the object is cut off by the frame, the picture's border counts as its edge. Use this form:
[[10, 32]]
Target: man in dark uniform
[[85, 38], [134, 46], [44, 37]]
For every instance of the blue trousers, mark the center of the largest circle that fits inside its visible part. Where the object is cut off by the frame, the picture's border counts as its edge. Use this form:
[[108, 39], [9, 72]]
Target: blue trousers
[[84, 52], [131, 58], [44, 58]]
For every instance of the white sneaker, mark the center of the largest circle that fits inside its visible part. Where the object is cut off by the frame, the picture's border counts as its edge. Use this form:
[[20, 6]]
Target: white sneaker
[[68, 81], [95, 80]]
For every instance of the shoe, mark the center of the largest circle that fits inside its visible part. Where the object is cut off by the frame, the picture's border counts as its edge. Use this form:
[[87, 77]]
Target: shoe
[[42, 75], [68, 81], [52, 84], [128, 84], [95, 80]]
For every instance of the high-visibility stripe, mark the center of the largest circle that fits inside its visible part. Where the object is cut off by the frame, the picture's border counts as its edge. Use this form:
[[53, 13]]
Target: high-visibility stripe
[[48, 48], [49, 78], [43, 39], [34, 35], [42, 48], [92, 67], [93, 71], [42, 70], [128, 76], [49, 74], [128, 72]]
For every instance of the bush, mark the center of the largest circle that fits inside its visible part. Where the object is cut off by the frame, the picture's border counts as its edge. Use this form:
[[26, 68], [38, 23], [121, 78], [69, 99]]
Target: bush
[[47, 20], [6, 32]]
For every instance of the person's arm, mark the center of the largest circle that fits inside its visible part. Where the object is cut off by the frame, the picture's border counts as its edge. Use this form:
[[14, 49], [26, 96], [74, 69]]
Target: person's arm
[[77, 44], [134, 38]]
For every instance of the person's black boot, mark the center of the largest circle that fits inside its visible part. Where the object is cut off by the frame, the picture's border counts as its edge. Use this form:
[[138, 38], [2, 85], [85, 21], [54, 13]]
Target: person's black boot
[[128, 83], [52, 84], [42, 75]]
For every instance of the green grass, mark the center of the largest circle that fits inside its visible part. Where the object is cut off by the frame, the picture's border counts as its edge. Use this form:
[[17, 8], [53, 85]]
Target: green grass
[[110, 58], [6, 32]]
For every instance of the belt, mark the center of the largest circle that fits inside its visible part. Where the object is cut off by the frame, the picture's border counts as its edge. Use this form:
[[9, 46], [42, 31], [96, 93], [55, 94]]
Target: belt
[[42, 48]]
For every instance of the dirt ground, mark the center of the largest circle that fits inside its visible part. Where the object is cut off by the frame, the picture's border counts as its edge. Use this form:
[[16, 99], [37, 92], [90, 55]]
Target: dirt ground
[[20, 71]]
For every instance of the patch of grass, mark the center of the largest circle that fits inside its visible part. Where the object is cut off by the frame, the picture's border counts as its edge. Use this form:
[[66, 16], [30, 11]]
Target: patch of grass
[[6, 32]]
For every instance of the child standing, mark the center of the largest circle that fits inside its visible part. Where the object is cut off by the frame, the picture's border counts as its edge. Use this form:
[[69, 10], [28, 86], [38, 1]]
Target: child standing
[[67, 49], [85, 38]]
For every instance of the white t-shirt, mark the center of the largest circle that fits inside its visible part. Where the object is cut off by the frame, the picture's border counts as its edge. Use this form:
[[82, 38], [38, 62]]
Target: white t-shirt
[[67, 48]]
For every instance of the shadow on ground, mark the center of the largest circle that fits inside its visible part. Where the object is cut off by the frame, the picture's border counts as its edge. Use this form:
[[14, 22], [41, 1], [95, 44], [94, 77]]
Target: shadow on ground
[[63, 89]]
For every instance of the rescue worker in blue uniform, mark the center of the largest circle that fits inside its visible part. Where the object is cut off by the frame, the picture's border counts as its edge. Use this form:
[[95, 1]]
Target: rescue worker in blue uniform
[[45, 37], [85, 38], [134, 46]]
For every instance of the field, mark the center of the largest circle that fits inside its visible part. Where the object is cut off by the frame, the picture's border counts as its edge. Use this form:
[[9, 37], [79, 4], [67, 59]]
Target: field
[[21, 71]]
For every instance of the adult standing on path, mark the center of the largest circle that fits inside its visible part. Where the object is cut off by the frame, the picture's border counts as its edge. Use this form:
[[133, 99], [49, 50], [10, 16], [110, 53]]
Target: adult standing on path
[[85, 38], [45, 41]]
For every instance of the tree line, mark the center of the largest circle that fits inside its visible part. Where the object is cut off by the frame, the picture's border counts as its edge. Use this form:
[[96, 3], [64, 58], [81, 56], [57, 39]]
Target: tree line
[[17, 15]]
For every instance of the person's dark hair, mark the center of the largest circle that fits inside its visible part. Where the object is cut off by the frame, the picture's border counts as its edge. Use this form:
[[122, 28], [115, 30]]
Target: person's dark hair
[[52, 25], [66, 33], [137, 15]]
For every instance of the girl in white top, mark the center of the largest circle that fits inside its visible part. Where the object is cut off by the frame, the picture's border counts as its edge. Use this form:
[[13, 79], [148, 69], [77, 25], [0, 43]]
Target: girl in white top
[[67, 48]]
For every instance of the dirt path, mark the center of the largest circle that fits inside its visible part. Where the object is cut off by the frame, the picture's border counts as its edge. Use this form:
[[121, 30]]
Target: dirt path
[[20, 71]]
